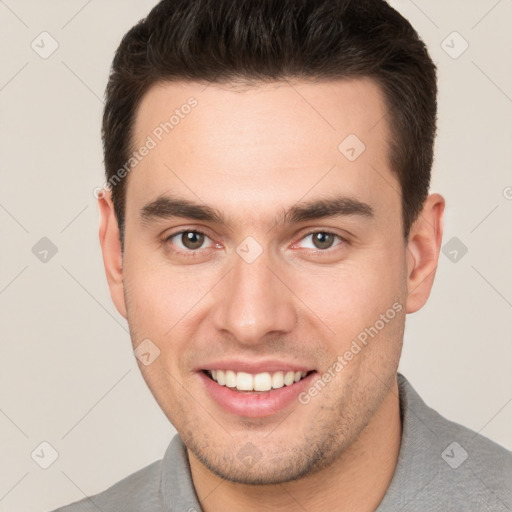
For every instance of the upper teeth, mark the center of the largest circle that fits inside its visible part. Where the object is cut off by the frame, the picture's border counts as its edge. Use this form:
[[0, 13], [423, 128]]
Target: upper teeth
[[260, 382]]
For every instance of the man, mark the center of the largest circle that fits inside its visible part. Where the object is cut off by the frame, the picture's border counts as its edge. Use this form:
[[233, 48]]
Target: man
[[266, 226]]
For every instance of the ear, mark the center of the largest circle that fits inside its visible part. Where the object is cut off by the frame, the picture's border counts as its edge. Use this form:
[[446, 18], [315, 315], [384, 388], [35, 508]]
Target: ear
[[111, 247], [423, 252]]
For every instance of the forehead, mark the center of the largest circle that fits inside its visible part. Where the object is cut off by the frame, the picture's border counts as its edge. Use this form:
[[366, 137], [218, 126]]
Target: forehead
[[287, 139]]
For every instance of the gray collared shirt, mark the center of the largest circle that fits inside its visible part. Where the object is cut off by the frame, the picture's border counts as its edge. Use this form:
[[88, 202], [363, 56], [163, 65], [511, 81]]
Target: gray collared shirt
[[442, 466]]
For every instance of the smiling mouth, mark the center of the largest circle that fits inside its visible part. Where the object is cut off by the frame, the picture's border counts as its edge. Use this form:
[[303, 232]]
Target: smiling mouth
[[255, 383]]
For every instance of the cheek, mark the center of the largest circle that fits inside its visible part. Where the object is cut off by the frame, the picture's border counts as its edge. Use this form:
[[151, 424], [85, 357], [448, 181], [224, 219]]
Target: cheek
[[160, 297], [351, 296], [168, 306]]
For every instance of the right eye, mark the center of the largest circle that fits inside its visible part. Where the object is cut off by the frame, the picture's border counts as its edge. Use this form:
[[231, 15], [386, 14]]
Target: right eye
[[189, 240]]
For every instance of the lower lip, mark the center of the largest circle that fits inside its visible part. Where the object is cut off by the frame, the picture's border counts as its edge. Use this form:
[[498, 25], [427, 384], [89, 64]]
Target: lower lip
[[258, 404]]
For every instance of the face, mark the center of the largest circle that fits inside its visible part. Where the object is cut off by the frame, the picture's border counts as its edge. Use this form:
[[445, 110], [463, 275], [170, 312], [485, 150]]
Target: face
[[258, 251]]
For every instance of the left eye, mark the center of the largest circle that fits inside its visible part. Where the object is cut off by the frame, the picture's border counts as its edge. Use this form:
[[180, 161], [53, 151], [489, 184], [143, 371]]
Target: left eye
[[321, 240], [189, 240]]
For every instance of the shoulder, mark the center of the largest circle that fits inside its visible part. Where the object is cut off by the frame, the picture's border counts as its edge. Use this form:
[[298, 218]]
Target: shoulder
[[443, 465], [135, 493], [458, 442], [163, 485], [475, 468]]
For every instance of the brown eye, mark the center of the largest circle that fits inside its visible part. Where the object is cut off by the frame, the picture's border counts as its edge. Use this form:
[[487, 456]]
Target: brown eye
[[192, 239], [322, 240]]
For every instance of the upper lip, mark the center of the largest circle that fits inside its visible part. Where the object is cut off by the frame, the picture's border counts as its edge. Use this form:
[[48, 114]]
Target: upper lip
[[254, 367]]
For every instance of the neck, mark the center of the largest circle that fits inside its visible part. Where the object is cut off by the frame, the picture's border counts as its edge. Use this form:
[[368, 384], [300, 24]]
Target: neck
[[356, 481]]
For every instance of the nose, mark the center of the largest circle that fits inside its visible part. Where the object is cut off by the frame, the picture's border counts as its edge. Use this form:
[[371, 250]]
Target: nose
[[253, 302]]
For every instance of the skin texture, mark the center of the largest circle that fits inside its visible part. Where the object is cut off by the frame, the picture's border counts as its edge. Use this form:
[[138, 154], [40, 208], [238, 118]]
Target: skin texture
[[252, 153]]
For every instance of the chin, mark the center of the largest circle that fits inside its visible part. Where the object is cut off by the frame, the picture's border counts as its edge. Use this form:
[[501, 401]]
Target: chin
[[250, 465]]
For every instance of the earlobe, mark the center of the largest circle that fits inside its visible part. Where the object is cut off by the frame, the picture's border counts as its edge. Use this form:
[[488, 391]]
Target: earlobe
[[423, 252], [111, 248]]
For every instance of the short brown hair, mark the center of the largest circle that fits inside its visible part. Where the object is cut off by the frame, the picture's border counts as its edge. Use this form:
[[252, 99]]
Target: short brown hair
[[270, 40]]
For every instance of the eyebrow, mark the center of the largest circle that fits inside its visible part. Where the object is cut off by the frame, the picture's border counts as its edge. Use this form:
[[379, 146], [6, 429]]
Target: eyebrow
[[329, 207], [168, 207]]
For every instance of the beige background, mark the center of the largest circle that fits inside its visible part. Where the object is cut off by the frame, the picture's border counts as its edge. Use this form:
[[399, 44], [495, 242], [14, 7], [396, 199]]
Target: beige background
[[67, 373]]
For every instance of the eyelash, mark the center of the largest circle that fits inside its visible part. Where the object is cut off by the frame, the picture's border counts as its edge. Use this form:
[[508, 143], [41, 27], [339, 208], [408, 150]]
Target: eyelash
[[324, 232], [189, 253], [193, 253]]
